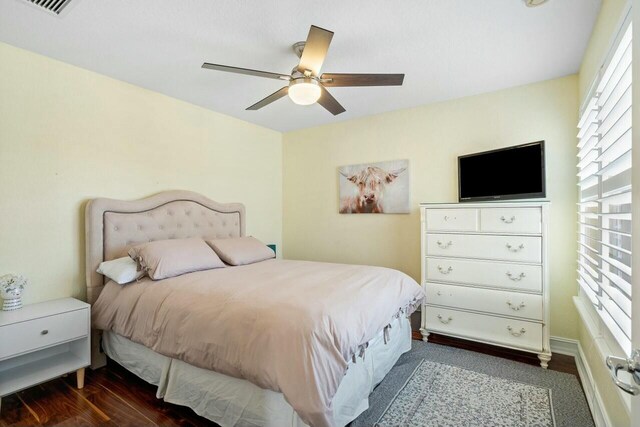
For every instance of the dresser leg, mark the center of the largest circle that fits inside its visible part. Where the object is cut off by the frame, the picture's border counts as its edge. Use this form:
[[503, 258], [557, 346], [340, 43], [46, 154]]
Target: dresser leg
[[544, 359], [425, 335], [80, 377]]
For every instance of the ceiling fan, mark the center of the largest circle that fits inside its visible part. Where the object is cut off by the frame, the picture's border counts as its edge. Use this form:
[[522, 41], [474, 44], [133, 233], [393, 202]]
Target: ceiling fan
[[306, 84]]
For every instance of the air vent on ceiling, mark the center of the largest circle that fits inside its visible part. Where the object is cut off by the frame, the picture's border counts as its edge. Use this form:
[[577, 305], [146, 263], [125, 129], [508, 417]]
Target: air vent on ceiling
[[53, 6]]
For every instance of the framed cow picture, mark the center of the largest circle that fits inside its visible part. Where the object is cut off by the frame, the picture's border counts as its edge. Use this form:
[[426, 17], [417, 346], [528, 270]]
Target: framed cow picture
[[375, 188]]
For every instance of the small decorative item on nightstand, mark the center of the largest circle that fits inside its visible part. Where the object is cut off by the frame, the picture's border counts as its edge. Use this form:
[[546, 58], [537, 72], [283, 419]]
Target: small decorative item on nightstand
[[11, 289]]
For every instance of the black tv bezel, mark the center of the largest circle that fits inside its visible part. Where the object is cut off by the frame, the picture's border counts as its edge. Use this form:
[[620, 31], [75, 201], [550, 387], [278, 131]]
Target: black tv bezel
[[543, 171]]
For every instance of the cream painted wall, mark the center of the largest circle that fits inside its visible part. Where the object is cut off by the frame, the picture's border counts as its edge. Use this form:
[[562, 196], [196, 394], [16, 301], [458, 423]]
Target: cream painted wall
[[68, 135], [432, 137]]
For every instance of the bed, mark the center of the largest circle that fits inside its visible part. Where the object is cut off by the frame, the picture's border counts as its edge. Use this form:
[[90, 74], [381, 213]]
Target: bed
[[274, 351]]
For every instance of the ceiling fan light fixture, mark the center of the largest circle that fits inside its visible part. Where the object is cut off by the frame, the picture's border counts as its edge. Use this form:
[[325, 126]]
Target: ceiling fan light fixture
[[304, 91], [307, 85]]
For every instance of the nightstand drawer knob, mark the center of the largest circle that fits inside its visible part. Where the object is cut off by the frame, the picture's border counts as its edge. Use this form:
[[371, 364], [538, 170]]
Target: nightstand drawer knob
[[44, 332]]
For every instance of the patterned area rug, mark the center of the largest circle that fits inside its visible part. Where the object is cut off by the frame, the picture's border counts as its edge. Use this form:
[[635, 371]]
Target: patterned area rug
[[444, 395], [463, 388]]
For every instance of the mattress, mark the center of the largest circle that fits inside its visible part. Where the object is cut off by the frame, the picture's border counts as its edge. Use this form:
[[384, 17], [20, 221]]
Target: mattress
[[231, 401]]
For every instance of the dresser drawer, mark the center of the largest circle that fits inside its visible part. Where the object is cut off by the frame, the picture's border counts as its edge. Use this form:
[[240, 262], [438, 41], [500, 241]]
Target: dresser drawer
[[511, 220], [43, 332], [498, 330], [491, 301], [505, 248], [520, 277], [452, 219]]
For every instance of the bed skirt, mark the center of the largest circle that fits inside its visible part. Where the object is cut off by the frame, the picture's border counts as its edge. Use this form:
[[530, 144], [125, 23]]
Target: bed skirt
[[233, 402]]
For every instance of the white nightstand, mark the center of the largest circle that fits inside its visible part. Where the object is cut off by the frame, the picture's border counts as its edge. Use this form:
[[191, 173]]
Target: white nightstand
[[43, 341]]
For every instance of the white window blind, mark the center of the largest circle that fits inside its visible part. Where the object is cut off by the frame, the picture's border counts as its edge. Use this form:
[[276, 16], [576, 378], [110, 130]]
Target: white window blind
[[604, 179]]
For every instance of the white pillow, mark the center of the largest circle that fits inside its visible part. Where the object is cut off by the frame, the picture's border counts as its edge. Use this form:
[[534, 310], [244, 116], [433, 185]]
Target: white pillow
[[121, 270]]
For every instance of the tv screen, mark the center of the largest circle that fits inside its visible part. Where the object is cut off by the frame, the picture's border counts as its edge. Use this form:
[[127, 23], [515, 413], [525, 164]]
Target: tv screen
[[509, 173]]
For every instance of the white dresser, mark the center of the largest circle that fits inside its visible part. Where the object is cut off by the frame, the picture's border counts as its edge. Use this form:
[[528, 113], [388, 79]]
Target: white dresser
[[484, 268], [43, 341]]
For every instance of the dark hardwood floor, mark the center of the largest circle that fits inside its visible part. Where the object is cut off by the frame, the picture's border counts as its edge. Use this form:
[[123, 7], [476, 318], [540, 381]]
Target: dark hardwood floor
[[112, 396]]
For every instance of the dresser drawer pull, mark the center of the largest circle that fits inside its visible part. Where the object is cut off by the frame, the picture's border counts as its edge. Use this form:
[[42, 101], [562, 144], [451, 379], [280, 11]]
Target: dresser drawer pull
[[444, 245], [516, 334], [445, 270], [515, 307], [507, 220], [517, 278], [44, 332], [515, 249], [447, 218], [443, 320]]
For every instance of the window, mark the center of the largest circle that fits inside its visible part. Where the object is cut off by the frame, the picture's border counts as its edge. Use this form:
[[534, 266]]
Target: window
[[604, 179]]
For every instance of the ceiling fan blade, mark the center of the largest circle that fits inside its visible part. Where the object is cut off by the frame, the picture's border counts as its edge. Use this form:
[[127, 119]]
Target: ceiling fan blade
[[269, 99], [246, 71], [330, 103], [315, 50], [342, 80]]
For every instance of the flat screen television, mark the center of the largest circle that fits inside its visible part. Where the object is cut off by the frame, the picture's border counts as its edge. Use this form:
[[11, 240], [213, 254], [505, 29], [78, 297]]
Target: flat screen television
[[508, 173]]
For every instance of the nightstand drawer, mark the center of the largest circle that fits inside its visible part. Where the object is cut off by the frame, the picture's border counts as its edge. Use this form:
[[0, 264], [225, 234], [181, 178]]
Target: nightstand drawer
[[43, 332]]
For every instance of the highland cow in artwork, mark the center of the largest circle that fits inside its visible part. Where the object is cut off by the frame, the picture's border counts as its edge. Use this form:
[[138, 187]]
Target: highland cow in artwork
[[375, 188]]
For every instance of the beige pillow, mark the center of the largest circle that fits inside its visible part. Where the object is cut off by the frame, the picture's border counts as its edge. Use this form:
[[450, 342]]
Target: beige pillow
[[241, 250], [169, 258]]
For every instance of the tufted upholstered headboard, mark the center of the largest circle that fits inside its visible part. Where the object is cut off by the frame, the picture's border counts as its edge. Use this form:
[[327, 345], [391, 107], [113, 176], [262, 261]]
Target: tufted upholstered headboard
[[113, 225]]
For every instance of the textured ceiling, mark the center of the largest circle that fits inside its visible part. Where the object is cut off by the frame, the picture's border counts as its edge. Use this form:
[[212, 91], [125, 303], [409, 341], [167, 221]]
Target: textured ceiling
[[446, 48]]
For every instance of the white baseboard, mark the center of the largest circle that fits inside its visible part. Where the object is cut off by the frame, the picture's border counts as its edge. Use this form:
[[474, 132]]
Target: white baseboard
[[573, 348], [564, 346]]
